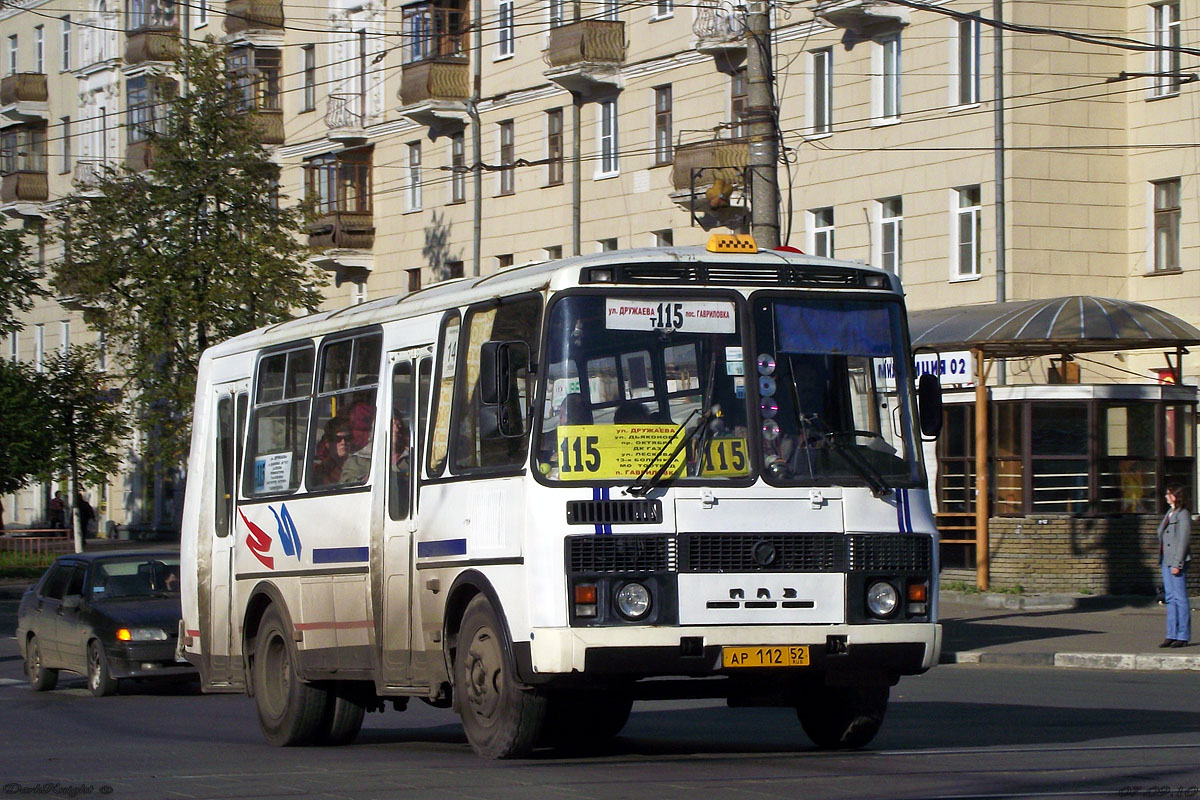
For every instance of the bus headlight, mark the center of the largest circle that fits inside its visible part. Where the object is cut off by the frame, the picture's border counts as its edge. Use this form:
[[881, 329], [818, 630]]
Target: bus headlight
[[633, 601], [882, 599]]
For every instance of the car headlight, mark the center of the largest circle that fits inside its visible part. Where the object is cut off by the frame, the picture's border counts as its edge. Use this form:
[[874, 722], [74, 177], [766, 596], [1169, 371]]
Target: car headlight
[[882, 599], [633, 601], [141, 635]]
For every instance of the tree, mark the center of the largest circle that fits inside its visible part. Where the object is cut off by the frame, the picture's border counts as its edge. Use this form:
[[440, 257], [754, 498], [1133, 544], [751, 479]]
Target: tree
[[87, 423], [25, 432], [19, 279], [169, 261]]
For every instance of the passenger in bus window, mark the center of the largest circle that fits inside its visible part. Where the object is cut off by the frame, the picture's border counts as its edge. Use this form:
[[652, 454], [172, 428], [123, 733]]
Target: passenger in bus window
[[399, 465], [338, 461]]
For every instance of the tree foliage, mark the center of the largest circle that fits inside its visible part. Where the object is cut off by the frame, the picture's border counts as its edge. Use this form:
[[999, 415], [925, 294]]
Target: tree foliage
[[19, 284], [169, 261], [86, 419], [26, 436]]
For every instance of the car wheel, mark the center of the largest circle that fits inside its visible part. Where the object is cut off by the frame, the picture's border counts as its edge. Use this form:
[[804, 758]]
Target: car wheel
[[290, 711], [843, 717], [344, 716], [100, 680], [502, 718], [41, 678]]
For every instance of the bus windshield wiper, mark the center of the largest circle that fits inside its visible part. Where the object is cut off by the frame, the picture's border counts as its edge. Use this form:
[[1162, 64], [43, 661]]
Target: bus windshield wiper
[[875, 480]]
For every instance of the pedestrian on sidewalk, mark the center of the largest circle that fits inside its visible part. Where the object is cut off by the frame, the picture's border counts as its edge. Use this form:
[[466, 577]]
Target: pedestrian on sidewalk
[[1174, 548]]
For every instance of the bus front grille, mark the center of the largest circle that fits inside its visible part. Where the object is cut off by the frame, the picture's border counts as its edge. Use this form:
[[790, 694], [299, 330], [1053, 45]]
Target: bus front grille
[[890, 553], [590, 555], [757, 552], [614, 512]]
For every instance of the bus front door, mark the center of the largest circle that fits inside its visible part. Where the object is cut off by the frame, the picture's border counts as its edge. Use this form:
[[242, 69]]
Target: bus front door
[[410, 377], [216, 607]]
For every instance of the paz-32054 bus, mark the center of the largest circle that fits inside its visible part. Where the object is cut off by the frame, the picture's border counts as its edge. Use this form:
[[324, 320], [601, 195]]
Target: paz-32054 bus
[[539, 495]]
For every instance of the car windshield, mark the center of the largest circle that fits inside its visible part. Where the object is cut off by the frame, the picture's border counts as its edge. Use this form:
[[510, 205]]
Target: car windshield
[[639, 385], [143, 576], [835, 392]]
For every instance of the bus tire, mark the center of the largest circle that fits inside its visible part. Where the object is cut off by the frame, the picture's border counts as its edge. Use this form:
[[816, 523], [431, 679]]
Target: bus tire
[[843, 717], [580, 718], [290, 711], [343, 718], [41, 677], [501, 718]]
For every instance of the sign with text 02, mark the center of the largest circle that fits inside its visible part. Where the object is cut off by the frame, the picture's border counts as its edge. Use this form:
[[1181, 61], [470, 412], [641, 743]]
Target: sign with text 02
[[685, 316], [613, 452]]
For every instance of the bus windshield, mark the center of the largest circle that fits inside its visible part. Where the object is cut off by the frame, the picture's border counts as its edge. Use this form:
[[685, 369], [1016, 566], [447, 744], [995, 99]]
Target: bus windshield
[[637, 385], [835, 396]]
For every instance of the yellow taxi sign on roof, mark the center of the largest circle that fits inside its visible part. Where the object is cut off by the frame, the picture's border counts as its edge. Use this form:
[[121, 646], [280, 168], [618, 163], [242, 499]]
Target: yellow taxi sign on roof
[[731, 243]]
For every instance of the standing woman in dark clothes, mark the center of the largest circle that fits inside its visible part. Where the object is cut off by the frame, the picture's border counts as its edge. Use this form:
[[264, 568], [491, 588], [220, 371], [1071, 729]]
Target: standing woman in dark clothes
[[1174, 535]]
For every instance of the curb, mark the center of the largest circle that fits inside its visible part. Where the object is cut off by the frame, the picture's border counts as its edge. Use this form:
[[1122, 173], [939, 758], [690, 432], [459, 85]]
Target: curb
[[1113, 661]]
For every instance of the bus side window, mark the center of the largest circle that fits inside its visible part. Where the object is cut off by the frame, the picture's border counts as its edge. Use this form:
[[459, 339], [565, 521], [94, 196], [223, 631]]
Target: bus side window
[[344, 414], [279, 428], [439, 438], [400, 442], [224, 464]]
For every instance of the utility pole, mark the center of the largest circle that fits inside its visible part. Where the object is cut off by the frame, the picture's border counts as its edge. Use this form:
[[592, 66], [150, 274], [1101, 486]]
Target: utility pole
[[477, 135], [761, 125]]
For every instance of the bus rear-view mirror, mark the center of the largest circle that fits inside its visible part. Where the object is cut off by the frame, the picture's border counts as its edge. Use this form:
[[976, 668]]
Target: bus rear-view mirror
[[929, 404]]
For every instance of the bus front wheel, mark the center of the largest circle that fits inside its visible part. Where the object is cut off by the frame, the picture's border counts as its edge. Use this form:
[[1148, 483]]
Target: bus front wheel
[[290, 711], [502, 718], [843, 717]]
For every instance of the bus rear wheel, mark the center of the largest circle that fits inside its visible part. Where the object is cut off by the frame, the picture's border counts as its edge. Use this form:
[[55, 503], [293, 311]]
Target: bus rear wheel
[[843, 717], [502, 718], [290, 711]]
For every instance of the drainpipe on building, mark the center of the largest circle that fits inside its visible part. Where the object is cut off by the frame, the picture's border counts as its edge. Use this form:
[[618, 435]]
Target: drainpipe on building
[[998, 158]]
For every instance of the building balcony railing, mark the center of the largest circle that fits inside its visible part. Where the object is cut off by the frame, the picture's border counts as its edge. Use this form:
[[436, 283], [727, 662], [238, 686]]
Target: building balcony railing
[[139, 155], [437, 78], [700, 164], [586, 56], [352, 230], [87, 174], [24, 97], [24, 187], [152, 44], [344, 117], [253, 15], [269, 122], [720, 27]]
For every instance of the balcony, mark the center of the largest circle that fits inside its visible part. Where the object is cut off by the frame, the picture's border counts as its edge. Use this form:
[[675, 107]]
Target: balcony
[[269, 122], [434, 92], [342, 230], [710, 180], [139, 156], [24, 98], [720, 29], [24, 187], [862, 20], [152, 44], [254, 16], [87, 175], [344, 118], [585, 57]]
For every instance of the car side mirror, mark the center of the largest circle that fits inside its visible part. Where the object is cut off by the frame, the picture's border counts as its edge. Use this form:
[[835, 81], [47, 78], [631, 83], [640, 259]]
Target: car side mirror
[[71, 601], [929, 404]]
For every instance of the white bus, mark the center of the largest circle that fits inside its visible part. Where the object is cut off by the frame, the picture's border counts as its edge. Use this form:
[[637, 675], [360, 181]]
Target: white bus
[[542, 494]]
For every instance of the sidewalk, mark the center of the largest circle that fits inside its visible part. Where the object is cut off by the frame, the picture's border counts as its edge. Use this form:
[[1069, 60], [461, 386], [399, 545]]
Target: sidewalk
[[1089, 632]]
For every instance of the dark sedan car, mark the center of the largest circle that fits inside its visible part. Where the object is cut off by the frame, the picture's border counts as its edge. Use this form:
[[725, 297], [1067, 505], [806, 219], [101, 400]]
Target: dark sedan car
[[105, 616]]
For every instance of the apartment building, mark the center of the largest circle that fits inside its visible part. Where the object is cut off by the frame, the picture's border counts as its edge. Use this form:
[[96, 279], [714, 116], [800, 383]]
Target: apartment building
[[605, 124]]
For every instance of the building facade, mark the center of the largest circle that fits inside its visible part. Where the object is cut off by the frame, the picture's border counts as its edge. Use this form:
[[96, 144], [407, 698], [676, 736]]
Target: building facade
[[447, 138]]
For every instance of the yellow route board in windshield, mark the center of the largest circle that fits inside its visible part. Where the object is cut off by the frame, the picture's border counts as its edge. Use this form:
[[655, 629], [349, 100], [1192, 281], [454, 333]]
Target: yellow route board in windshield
[[614, 452]]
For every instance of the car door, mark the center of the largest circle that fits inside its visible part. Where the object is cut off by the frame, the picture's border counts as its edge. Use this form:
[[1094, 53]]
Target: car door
[[45, 615], [409, 378], [74, 625]]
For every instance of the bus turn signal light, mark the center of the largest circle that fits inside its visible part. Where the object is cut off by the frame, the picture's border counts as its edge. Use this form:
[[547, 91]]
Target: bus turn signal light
[[918, 593], [585, 600]]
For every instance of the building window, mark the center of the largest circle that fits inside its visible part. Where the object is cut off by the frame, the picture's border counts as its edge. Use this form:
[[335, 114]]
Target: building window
[[254, 73], [146, 110], [66, 144], [663, 9], [458, 169], [150, 14], [1166, 225], [609, 156], [102, 352], [821, 236], [504, 261], [65, 343], [966, 62], [552, 254], [738, 102], [507, 157], [505, 39], [414, 279], [454, 269], [201, 7], [340, 182], [822, 90], [39, 347], [967, 222], [607, 245], [310, 76], [888, 93], [13, 346], [662, 125], [664, 238], [414, 176], [12, 55], [610, 9], [891, 233], [39, 49], [66, 43], [1166, 63], [554, 146], [22, 149]]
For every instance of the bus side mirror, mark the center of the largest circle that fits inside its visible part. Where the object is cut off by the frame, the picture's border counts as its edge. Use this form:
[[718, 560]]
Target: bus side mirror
[[500, 413], [929, 404]]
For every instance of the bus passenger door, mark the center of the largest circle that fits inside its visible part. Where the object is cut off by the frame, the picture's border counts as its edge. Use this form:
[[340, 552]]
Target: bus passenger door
[[217, 622], [410, 376]]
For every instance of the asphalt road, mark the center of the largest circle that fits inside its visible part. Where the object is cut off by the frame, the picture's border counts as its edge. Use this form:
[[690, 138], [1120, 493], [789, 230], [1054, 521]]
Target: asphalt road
[[961, 731]]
